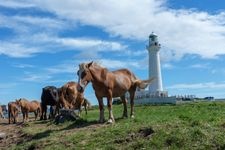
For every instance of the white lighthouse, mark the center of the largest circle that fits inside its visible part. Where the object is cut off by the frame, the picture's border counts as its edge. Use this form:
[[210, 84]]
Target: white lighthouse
[[154, 64], [155, 94]]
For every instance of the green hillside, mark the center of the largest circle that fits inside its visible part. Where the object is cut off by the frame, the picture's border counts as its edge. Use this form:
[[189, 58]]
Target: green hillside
[[185, 126]]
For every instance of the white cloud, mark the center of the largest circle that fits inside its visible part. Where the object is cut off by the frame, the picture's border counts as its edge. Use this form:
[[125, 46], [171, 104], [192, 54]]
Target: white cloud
[[181, 31], [68, 67], [40, 22], [207, 85], [72, 66], [115, 64], [34, 77], [45, 43], [15, 4], [7, 85], [23, 66], [200, 66], [86, 43], [167, 66], [16, 49]]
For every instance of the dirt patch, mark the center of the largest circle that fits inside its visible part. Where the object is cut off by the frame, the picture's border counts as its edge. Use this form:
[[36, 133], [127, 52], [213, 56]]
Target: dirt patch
[[146, 132], [12, 134], [223, 125], [142, 133]]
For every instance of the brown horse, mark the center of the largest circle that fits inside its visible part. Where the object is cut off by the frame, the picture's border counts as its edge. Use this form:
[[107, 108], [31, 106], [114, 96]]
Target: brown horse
[[13, 111], [70, 97], [110, 84], [29, 106]]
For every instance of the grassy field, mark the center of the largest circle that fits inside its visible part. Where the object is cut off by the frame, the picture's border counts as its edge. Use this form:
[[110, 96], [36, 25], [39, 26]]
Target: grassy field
[[185, 126]]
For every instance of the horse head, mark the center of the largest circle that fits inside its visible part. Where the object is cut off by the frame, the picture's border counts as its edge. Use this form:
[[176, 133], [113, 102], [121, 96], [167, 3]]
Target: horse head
[[19, 102], [84, 76]]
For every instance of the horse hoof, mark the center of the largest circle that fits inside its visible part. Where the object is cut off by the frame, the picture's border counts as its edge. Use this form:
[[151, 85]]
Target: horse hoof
[[110, 121], [132, 116], [101, 121], [124, 116]]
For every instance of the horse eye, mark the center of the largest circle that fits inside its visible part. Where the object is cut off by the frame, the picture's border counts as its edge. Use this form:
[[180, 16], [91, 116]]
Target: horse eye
[[83, 74]]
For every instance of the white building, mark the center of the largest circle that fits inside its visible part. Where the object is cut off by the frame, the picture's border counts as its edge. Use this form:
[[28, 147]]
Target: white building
[[154, 63], [155, 92]]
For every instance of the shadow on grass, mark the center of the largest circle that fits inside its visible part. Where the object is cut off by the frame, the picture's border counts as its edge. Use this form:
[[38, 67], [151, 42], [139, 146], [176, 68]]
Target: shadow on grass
[[80, 123], [42, 135], [42, 121]]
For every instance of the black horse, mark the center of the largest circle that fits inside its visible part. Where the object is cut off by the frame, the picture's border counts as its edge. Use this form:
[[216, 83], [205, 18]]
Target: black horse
[[50, 97]]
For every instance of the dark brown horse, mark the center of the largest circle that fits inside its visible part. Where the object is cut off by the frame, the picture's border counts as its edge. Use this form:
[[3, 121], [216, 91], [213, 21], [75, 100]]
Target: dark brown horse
[[29, 106], [13, 111], [110, 84], [70, 97], [50, 97]]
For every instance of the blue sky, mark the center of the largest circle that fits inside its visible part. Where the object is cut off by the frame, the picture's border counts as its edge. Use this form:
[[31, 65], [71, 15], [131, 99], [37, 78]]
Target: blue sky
[[42, 43]]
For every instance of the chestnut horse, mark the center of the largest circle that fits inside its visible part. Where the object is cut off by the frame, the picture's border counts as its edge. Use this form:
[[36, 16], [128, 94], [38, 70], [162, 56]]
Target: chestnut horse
[[70, 97], [29, 106], [13, 111], [110, 84]]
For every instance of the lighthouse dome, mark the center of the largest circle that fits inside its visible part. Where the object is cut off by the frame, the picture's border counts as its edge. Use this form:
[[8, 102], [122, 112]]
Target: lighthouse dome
[[153, 35], [153, 39]]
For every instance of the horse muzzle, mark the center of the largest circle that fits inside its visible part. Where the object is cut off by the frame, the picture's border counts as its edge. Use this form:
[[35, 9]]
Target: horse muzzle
[[80, 88]]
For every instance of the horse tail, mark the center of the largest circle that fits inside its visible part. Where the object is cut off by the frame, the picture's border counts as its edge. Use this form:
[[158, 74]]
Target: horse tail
[[142, 84]]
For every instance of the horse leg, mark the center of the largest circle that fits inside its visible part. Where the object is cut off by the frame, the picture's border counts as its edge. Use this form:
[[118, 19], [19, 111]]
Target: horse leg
[[45, 112], [9, 116], [79, 111], [124, 106], [42, 111], [35, 114], [50, 112], [85, 108], [132, 92], [109, 104], [27, 118], [23, 116], [101, 108], [14, 117]]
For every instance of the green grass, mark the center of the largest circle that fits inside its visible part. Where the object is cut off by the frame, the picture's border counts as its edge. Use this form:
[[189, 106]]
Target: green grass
[[184, 126]]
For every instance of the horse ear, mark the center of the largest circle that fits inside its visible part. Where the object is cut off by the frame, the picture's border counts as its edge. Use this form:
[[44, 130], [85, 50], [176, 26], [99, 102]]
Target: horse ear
[[89, 64]]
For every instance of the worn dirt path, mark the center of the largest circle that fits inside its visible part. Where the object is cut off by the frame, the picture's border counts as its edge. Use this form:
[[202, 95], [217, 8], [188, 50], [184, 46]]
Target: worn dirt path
[[11, 134]]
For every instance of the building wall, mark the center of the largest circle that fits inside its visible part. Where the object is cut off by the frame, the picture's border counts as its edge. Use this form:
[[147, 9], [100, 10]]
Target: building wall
[[156, 100]]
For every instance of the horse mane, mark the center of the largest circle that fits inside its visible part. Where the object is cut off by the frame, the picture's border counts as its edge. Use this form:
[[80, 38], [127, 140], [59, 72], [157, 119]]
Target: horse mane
[[93, 63]]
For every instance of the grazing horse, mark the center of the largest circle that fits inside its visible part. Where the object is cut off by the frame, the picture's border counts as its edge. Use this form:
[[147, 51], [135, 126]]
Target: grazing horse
[[70, 97], [29, 106], [50, 97], [13, 111], [1, 113], [110, 84]]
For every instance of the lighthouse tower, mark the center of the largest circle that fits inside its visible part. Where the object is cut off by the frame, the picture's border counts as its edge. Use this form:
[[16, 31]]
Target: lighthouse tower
[[153, 48]]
